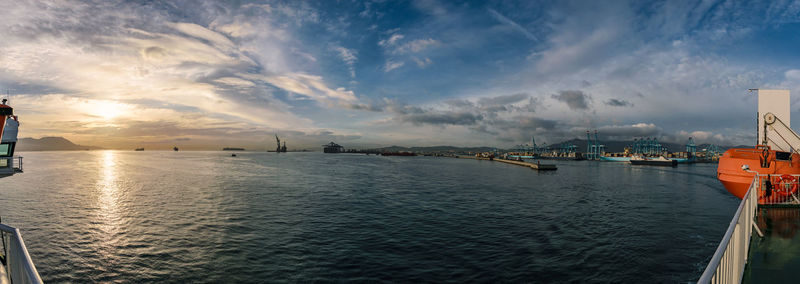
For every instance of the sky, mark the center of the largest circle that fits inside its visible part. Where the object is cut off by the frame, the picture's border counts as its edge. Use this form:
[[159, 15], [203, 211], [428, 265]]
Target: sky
[[211, 74]]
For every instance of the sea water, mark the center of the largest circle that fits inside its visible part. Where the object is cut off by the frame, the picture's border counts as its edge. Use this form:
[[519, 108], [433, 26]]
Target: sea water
[[125, 216]]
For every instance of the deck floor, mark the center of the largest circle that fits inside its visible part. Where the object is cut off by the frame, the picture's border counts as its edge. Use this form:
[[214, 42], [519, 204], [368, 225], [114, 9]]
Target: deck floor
[[776, 257]]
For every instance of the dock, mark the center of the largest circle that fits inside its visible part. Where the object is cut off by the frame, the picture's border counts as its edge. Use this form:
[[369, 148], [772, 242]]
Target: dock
[[536, 166]]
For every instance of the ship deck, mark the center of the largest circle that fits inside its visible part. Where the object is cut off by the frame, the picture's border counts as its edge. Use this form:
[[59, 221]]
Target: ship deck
[[773, 258]]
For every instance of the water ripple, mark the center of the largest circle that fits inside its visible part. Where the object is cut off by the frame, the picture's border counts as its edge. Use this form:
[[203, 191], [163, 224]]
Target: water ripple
[[204, 217]]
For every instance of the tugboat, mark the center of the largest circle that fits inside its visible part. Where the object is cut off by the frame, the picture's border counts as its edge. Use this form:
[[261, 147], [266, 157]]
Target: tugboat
[[16, 265], [175, 148]]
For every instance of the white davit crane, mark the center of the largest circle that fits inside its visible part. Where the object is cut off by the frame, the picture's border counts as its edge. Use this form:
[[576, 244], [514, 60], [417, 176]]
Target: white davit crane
[[779, 135]]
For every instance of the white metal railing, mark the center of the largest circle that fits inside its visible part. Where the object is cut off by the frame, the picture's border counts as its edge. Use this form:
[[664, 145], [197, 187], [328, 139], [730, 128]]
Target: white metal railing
[[728, 263], [18, 263]]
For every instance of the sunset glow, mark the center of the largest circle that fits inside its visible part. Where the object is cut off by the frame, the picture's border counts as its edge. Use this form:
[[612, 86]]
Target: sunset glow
[[125, 74]]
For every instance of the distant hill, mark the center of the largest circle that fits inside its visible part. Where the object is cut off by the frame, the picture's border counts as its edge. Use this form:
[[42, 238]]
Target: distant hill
[[50, 144], [432, 149], [619, 146], [611, 146]]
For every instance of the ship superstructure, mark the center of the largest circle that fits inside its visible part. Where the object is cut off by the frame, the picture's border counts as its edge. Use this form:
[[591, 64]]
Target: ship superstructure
[[16, 265], [9, 125]]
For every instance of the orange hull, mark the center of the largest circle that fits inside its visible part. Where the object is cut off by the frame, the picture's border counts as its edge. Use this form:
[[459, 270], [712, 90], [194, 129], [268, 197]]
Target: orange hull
[[737, 181]]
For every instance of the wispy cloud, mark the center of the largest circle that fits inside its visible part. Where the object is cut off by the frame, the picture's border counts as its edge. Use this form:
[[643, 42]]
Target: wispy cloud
[[391, 65], [423, 62], [391, 41], [513, 25], [349, 57]]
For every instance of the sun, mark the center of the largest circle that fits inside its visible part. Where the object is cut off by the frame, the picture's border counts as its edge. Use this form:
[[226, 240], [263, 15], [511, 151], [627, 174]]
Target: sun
[[108, 110]]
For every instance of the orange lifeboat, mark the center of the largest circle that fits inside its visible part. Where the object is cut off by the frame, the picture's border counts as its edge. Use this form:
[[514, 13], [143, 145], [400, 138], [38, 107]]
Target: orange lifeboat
[[761, 159]]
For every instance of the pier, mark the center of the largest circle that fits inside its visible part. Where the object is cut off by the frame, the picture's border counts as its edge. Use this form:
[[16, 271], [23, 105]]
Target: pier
[[536, 166]]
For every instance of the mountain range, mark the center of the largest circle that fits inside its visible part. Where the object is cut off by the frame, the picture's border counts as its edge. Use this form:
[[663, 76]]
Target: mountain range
[[50, 144], [610, 146]]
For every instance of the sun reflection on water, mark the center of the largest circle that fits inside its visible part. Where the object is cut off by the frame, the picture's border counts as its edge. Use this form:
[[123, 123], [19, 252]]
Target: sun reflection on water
[[108, 191]]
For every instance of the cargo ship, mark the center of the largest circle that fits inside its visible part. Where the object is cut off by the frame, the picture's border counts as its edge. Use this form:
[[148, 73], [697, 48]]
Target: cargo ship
[[616, 159]]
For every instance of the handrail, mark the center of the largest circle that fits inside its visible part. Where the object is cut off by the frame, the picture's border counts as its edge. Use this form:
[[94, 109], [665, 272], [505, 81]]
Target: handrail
[[18, 257], [728, 263]]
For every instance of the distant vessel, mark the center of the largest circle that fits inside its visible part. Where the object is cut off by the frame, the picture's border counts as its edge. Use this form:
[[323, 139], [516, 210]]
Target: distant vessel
[[175, 148], [616, 159], [232, 149], [16, 266], [574, 156], [280, 149], [139, 149], [332, 148], [660, 161]]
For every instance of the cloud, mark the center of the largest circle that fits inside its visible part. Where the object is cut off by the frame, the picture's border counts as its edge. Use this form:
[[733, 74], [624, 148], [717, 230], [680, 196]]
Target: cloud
[[349, 57], [519, 128], [278, 66], [443, 118], [203, 33], [505, 117], [503, 100], [575, 100], [228, 67], [793, 75], [391, 65], [416, 45], [424, 62], [513, 25], [154, 53], [626, 132], [392, 40], [618, 103]]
